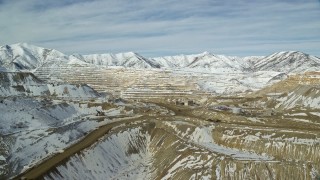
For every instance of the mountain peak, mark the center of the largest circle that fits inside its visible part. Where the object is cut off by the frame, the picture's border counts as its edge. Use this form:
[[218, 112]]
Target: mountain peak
[[289, 62], [289, 53], [205, 53], [26, 56]]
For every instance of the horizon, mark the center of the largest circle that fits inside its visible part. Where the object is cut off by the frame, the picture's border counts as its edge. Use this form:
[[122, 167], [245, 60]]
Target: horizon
[[164, 28], [114, 53]]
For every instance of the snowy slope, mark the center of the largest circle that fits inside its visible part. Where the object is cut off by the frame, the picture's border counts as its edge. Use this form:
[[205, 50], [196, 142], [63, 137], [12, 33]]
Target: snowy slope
[[249, 62], [215, 73], [71, 90], [120, 156], [26, 84], [288, 62], [205, 60], [17, 84], [128, 60], [24, 56], [306, 96], [230, 83], [34, 128]]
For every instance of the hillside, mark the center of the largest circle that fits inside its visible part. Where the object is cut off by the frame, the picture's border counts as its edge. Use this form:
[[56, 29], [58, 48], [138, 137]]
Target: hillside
[[173, 117], [288, 62], [289, 83], [206, 60], [23, 56], [26, 84], [303, 96], [128, 60]]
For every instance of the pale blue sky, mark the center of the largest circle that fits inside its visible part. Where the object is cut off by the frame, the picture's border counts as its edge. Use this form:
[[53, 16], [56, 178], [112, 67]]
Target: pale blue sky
[[163, 27]]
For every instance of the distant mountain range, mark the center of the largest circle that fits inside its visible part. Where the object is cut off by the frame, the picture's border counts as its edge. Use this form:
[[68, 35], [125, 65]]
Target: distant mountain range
[[22, 56]]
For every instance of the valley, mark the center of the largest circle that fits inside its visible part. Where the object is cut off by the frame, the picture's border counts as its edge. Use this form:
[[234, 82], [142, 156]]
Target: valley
[[123, 116]]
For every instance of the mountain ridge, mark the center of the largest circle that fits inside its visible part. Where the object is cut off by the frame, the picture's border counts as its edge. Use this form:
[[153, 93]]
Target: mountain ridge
[[23, 56]]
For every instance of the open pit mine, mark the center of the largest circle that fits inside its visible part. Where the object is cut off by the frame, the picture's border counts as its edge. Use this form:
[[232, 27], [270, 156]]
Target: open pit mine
[[124, 116]]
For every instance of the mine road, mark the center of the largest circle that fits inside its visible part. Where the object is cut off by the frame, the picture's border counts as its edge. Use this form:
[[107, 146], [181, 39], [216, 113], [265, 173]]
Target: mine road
[[40, 169]]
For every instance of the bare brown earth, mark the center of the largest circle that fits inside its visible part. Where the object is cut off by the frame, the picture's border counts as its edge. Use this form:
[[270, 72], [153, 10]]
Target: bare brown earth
[[290, 83], [291, 159]]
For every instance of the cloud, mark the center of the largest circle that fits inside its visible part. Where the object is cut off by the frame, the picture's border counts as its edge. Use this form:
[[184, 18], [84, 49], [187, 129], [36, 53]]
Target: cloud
[[40, 5], [163, 27]]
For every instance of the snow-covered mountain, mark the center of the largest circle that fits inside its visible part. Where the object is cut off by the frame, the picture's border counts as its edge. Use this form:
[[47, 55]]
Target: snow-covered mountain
[[128, 60], [142, 131], [23, 56], [204, 60], [289, 62]]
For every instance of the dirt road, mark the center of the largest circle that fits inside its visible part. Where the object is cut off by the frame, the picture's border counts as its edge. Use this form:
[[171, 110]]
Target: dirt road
[[37, 171]]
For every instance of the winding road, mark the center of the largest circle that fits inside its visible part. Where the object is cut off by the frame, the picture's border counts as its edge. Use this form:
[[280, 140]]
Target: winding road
[[40, 169]]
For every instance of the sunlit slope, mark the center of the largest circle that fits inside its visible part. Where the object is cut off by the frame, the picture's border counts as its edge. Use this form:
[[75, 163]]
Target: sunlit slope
[[184, 149]]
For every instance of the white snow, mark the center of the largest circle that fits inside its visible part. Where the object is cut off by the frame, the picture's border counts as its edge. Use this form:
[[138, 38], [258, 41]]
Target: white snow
[[2, 158], [302, 96], [28, 56], [315, 113], [52, 126], [109, 158], [226, 74], [297, 114], [28, 123], [31, 57], [203, 136]]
